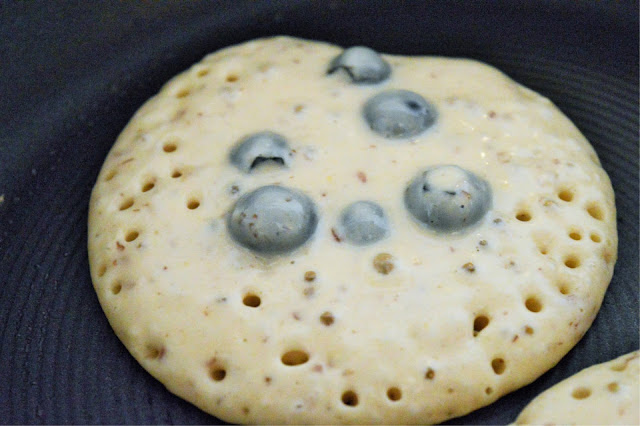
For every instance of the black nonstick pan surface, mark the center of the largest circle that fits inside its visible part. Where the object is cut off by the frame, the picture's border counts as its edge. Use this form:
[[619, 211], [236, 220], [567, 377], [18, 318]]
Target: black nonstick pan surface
[[72, 74]]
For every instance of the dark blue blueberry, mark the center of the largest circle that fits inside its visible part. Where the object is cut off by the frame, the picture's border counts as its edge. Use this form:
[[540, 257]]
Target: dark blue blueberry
[[259, 148], [448, 198], [364, 65], [363, 222], [272, 219], [397, 114]]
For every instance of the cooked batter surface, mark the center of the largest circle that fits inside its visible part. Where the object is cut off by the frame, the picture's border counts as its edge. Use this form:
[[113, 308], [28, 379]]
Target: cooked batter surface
[[294, 232], [603, 394]]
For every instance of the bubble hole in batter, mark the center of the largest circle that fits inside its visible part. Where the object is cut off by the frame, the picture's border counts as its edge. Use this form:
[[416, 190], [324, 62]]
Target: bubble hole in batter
[[170, 147], [193, 204], [430, 374], [613, 387], [218, 374], [183, 93], [564, 288], [620, 366], [295, 357], [394, 394], [350, 398], [498, 365], [110, 175], [565, 195], [148, 185], [131, 236], [572, 261], [533, 304], [581, 393], [203, 72], [480, 323], [595, 211], [102, 270], [154, 351], [251, 300], [127, 203], [523, 216], [327, 318], [575, 234], [116, 287]]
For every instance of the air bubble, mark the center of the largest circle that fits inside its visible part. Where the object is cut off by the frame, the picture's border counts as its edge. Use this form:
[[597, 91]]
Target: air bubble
[[498, 365], [350, 398], [572, 262], [327, 318], [126, 204], [148, 186], [533, 304], [251, 300], [102, 270], [183, 93], [394, 394], [169, 147], [131, 236], [430, 374], [543, 242], [480, 322], [620, 366], [295, 357], [154, 351], [581, 393], [523, 216], [564, 288], [575, 235], [110, 175], [595, 211], [565, 195], [116, 288], [218, 374]]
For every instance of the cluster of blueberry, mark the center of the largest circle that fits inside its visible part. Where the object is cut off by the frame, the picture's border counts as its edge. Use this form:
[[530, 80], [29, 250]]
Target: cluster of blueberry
[[275, 219]]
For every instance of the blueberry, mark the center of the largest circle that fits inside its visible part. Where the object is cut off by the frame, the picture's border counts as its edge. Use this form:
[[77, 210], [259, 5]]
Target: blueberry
[[363, 222], [399, 114], [448, 198], [364, 65], [272, 219], [258, 148]]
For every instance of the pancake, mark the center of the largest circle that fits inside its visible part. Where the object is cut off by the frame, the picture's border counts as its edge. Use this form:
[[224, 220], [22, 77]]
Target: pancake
[[603, 394], [292, 232]]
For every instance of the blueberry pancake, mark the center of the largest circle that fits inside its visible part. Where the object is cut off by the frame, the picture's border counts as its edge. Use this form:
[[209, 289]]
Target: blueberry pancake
[[603, 394], [293, 232]]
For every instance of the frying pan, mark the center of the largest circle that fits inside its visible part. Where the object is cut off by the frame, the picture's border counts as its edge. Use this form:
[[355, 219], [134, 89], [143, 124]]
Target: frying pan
[[71, 76]]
